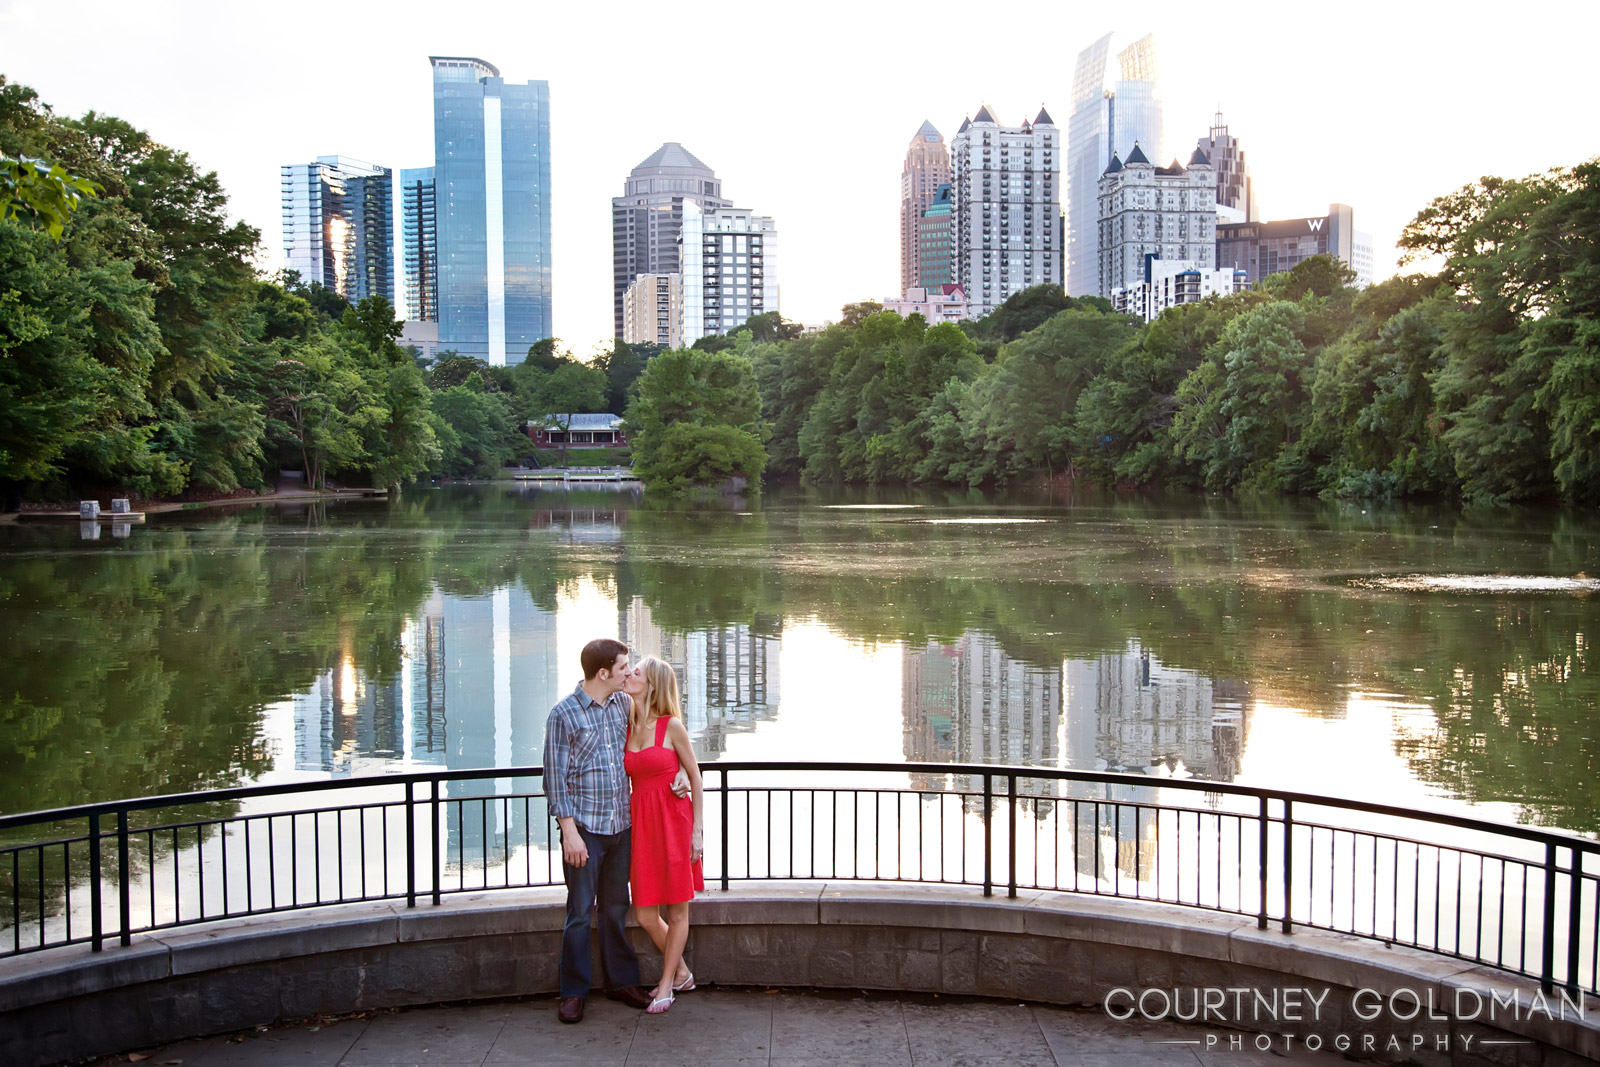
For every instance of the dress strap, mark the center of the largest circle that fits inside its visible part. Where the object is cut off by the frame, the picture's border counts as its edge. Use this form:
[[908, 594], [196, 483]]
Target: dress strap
[[661, 729]]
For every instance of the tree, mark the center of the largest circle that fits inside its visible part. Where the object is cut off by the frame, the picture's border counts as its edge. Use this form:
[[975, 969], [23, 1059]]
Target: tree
[[622, 366], [770, 326], [41, 192], [547, 355], [696, 420], [572, 389]]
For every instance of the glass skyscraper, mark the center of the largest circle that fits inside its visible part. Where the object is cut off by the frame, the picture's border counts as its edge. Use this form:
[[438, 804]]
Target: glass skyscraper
[[338, 219], [491, 145], [420, 237], [1106, 121]]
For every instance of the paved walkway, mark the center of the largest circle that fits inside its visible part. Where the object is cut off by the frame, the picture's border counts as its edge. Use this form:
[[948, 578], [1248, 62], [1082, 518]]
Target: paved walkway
[[723, 1028]]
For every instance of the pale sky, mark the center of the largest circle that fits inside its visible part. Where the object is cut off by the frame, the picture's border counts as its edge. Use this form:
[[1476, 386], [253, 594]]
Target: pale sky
[[805, 110]]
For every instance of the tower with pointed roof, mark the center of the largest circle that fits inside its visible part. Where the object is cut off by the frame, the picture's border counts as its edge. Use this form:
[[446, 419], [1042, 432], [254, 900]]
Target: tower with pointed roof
[[1007, 197], [1148, 212], [926, 169], [647, 218]]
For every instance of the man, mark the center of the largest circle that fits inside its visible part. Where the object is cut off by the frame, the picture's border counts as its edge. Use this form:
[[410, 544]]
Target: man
[[588, 793]]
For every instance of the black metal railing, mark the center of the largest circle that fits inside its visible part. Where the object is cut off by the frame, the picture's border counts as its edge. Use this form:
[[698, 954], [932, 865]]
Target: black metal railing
[[1516, 898]]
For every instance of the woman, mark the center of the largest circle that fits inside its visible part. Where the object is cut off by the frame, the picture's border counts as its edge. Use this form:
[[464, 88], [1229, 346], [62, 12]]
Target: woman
[[666, 828]]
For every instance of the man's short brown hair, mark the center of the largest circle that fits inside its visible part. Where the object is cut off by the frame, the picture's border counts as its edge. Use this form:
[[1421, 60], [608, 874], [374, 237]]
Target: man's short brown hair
[[600, 654]]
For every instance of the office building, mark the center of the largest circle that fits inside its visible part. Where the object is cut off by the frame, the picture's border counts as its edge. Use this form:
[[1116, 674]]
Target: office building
[[420, 245], [1170, 282], [1161, 212], [491, 145], [729, 258], [1007, 208], [936, 235], [926, 171], [1108, 119], [338, 226], [1262, 248], [653, 310], [935, 303], [1236, 200], [647, 219]]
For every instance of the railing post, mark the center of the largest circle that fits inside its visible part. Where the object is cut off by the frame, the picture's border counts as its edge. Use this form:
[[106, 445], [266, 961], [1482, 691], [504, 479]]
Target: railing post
[[96, 920], [1011, 832], [433, 810], [988, 834], [1574, 918], [725, 827], [1548, 971], [411, 844], [1288, 865], [126, 923], [1261, 863]]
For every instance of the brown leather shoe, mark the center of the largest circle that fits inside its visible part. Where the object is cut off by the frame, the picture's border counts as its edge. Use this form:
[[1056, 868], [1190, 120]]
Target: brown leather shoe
[[570, 1010], [634, 996]]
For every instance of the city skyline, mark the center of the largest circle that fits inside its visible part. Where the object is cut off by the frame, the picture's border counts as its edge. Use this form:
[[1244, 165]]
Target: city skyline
[[763, 145]]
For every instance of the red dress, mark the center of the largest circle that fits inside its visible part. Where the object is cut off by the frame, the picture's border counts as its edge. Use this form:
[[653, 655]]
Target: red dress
[[663, 828]]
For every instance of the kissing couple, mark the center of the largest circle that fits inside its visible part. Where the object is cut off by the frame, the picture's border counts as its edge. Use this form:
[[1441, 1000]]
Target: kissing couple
[[619, 772]]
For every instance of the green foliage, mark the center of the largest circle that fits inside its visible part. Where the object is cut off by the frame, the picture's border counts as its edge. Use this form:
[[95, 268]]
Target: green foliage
[[696, 420], [41, 192]]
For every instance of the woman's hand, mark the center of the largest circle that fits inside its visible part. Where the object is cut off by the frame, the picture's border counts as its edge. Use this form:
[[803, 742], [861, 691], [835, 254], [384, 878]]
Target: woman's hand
[[696, 848]]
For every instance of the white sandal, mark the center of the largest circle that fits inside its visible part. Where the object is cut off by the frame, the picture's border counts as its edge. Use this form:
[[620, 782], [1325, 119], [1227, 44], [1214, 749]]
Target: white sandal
[[659, 1005], [685, 986]]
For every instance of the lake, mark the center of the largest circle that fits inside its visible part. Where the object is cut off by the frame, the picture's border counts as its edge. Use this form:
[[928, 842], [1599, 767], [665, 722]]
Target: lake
[[1422, 656]]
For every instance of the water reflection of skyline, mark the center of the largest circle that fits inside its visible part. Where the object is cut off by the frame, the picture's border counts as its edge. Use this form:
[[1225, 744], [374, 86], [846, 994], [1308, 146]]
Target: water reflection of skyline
[[479, 674]]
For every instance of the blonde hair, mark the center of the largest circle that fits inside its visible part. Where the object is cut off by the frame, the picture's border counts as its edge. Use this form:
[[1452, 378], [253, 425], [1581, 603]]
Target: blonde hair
[[660, 699]]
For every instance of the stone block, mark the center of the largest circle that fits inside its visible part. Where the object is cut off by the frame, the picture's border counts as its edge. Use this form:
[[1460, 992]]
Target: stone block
[[958, 963], [223, 945], [88, 509], [75, 971], [832, 968], [340, 985], [42, 1034], [223, 1000], [876, 970], [919, 971], [918, 907]]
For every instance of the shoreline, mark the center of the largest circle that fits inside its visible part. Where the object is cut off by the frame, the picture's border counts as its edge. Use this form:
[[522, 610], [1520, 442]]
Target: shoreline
[[168, 506]]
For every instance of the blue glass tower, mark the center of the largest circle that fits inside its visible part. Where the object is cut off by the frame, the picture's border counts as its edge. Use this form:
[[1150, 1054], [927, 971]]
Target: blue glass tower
[[491, 147]]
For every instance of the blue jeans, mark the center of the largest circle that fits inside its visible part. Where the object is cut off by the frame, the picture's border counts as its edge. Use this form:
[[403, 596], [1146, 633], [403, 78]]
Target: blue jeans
[[603, 878]]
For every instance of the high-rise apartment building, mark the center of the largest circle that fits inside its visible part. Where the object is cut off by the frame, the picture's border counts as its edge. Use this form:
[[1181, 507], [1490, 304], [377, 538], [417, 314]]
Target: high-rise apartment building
[[420, 244], [1007, 208], [491, 147], [936, 234], [1236, 200], [729, 258], [1171, 282], [338, 225], [647, 219], [1262, 248], [653, 310], [1108, 119], [926, 171], [1155, 212]]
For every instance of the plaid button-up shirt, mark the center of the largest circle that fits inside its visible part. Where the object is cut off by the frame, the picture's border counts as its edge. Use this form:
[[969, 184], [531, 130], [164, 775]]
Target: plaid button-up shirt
[[583, 774]]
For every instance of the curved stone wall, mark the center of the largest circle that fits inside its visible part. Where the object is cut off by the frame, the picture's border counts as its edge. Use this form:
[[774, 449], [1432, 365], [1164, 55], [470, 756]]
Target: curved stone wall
[[1250, 988]]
